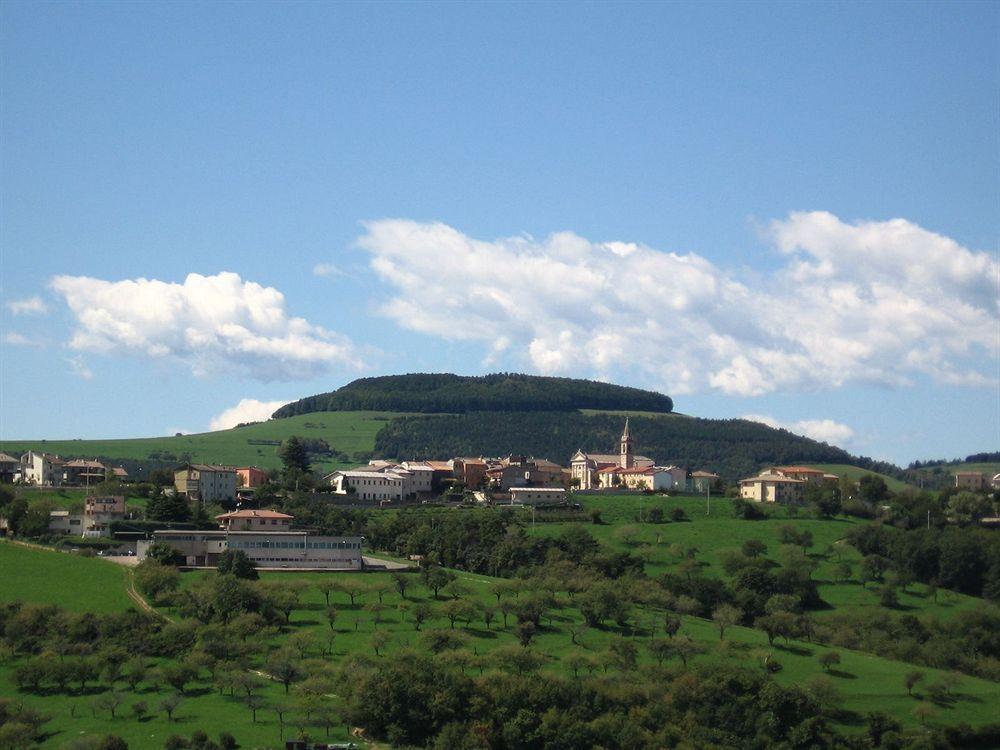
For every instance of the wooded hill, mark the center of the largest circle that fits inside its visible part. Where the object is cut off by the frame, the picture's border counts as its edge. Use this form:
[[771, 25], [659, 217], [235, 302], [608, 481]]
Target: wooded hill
[[500, 392], [733, 447]]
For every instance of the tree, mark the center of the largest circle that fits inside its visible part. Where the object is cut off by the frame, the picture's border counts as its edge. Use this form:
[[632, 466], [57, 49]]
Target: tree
[[167, 507], [624, 653], [255, 703], [178, 675], [923, 712], [873, 489], [109, 701], [420, 613], [401, 582], [910, 681], [686, 648], [438, 578], [829, 659], [169, 705], [112, 742], [284, 670], [163, 553], [525, 632], [294, 456], [326, 586], [379, 640], [139, 710], [134, 671], [724, 616], [489, 613], [236, 562], [754, 548], [671, 624]]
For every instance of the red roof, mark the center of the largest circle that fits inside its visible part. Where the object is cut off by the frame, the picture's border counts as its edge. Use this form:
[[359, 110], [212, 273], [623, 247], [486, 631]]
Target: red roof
[[254, 514]]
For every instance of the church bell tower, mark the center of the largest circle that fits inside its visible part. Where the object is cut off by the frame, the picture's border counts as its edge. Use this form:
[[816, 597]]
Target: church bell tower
[[625, 459]]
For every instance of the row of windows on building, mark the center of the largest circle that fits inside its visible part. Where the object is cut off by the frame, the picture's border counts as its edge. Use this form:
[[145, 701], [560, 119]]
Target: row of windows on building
[[236, 544]]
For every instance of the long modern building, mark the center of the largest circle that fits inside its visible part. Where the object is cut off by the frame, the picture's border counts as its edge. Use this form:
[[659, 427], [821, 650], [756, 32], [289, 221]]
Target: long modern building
[[267, 547]]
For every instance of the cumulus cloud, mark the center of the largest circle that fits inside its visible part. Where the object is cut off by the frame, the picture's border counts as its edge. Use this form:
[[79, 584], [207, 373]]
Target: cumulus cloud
[[824, 430], [247, 410], [213, 324], [871, 302], [27, 306]]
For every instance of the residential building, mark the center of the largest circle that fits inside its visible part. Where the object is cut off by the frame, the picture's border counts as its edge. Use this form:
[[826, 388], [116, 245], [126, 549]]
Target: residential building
[[64, 522], [772, 487], [255, 520], [100, 511], [383, 482], [470, 471], [654, 478], [995, 482], [10, 468], [266, 547], [970, 480], [82, 471], [537, 495], [250, 476], [584, 467], [206, 483], [806, 473], [41, 469]]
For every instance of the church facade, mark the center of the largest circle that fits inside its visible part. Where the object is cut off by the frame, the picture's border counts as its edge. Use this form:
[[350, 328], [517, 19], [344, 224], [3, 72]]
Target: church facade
[[625, 469]]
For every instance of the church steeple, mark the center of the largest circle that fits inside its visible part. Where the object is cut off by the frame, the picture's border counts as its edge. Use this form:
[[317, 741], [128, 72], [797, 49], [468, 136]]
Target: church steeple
[[625, 458]]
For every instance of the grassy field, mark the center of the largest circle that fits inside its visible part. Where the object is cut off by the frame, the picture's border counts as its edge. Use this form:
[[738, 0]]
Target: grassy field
[[346, 432], [855, 473], [75, 583], [715, 534]]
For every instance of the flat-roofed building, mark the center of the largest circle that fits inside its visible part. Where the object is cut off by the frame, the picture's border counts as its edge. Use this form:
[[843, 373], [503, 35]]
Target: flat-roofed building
[[537, 495]]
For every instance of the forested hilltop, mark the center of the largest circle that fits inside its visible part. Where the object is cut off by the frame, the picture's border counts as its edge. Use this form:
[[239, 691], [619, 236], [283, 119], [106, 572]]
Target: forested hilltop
[[731, 447], [501, 392]]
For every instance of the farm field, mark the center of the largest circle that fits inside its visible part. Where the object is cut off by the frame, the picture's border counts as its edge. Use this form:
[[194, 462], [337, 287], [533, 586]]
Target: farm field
[[864, 681], [346, 432]]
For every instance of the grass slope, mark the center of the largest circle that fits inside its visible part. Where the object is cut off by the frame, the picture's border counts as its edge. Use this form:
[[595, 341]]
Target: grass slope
[[346, 432], [856, 472], [75, 583]]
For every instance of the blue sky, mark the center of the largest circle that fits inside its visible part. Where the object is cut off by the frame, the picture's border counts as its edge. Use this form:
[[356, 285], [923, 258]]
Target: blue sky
[[788, 210]]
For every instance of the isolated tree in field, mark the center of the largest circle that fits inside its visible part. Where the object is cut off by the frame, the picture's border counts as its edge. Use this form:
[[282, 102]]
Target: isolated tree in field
[[331, 616], [379, 640], [178, 675], [724, 616], [255, 703], [354, 589], [923, 712], [829, 659], [109, 701], [294, 456], [457, 609], [420, 613], [842, 571], [525, 632], [169, 705], [873, 489], [375, 609], [671, 624], [625, 653], [134, 671], [754, 548], [661, 649], [438, 578], [910, 681], [686, 648], [139, 710], [154, 579], [489, 613], [284, 670], [401, 582]]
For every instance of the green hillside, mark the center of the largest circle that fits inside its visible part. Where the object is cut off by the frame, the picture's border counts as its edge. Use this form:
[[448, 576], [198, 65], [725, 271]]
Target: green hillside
[[856, 472], [446, 393], [346, 432]]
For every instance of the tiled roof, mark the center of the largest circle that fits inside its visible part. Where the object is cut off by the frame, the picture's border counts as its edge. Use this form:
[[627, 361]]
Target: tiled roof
[[799, 469], [773, 478], [704, 474], [254, 514]]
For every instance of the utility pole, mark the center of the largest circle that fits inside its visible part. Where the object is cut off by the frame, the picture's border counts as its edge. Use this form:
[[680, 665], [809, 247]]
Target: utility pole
[[708, 499]]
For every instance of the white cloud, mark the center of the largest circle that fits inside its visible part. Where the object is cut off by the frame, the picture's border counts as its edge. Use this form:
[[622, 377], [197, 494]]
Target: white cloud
[[27, 306], [326, 269], [824, 430], [79, 367], [16, 339], [872, 302], [247, 410], [213, 324]]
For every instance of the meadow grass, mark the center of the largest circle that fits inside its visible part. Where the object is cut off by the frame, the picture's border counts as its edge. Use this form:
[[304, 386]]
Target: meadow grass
[[346, 432], [76, 583]]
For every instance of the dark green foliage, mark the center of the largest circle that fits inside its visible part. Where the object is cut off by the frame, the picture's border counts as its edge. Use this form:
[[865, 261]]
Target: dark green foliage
[[236, 562], [163, 554], [733, 448], [164, 507], [446, 393], [294, 456]]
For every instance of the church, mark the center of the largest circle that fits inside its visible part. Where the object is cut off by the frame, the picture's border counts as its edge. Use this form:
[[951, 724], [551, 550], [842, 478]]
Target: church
[[598, 470]]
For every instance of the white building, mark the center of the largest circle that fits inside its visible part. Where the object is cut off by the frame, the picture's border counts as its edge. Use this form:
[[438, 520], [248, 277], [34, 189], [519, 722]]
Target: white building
[[537, 495], [41, 469], [383, 482], [266, 547], [655, 478]]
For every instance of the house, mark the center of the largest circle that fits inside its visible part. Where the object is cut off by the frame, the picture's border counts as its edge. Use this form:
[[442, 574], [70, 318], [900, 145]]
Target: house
[[421, 476], [383, 482], [504, 476], [584, 467], [544, 473], [266, 547], [250, 477], [82, 471], [469, 471], [41, 469], [805, 473], [653, 478], [703, 481], [64, 522], [206, 483], [995, 482], [120, 473], [10, 468], [772, 487], [970, 480], [255, 520], [100, 511], [537, 496]]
